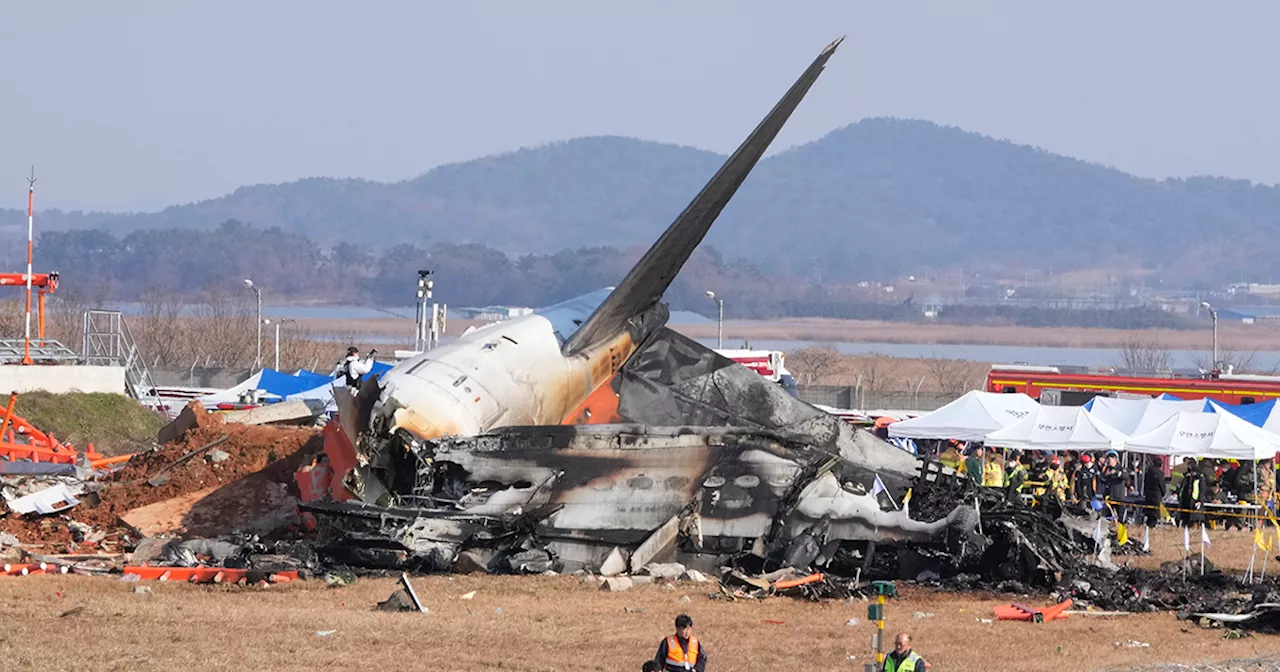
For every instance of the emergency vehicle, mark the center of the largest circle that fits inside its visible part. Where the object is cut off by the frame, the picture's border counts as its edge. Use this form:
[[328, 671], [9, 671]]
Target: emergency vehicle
[[768, 363], [1073, 386]]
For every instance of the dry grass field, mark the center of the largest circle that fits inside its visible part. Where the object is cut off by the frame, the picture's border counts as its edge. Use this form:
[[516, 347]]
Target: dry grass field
[[1235, 336], [818, 330], [544, 623]]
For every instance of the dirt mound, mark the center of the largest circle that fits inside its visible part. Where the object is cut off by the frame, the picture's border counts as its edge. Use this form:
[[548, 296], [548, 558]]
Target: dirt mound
[[273, 452], [258, 459]]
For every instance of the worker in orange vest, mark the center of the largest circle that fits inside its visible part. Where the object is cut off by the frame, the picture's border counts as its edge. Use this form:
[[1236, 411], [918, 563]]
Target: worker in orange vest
[[682, 651]]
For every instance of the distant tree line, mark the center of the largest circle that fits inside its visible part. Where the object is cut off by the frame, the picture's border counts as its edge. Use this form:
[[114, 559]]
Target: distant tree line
[[98, 266]]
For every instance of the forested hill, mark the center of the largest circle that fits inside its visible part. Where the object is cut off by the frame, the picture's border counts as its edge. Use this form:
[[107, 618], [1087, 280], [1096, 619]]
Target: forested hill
[[871, 200]]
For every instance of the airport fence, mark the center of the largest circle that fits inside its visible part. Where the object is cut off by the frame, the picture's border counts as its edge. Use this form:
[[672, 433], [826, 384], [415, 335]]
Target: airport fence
[[852, 396]]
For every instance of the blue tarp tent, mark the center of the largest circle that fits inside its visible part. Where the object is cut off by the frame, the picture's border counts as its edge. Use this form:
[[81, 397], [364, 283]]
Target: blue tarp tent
[[1259, 414], [284, 385]]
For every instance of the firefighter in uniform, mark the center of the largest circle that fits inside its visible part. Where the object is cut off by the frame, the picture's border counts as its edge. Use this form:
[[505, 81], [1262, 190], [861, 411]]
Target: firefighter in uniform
[[902, 658], [993, 471], [682, 651], [1015, 480], [1057, 480]]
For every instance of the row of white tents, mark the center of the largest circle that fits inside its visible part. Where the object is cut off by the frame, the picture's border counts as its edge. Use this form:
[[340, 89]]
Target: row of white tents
[[1202, 429]]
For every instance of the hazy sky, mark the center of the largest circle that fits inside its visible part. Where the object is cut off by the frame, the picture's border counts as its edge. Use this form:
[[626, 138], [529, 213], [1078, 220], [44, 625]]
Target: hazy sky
[[139, 105]]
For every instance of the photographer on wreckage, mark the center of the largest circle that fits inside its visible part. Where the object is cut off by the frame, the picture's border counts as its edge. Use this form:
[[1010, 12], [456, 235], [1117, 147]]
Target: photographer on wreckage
[[352, 368]]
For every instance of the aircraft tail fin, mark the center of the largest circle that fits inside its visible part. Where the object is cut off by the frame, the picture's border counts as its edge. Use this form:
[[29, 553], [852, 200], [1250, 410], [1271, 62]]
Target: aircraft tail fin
[[649, 279]]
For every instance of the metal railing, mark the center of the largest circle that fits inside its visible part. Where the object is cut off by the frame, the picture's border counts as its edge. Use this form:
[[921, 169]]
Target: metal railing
[[108, 342]]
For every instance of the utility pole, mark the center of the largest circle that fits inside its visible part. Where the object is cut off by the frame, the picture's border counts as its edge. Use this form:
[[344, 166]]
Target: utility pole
[[31, 210], [720, 320], [278, 323], [257, 363], [1213, 314]]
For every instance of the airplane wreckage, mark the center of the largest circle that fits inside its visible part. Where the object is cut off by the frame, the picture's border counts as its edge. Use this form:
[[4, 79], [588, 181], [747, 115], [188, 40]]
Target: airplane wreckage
[[589, 432], [551, 439]]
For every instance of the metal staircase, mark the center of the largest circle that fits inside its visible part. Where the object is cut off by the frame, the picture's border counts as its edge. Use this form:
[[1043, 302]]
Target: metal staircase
[[108, 342]]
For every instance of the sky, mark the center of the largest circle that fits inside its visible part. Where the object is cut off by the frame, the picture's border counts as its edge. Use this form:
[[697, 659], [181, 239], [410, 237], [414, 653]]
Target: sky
[[134, 105]]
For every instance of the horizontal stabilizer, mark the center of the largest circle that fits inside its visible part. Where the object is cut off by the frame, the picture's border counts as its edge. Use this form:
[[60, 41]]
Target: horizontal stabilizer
[[649, 279]]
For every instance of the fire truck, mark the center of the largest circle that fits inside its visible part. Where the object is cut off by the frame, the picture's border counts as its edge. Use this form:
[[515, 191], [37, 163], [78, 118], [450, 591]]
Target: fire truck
[[1073, 386], [769, 363]]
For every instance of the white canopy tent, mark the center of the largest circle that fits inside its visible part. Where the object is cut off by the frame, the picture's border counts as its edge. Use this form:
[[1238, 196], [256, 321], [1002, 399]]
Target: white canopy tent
[[1058, 428], [1211, 435], [969, 418], [1138, 416]]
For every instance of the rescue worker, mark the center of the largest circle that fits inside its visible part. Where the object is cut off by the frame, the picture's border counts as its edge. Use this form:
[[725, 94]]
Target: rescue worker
[[1154, 490], [1112, 484], [993, 471], [1113, 478], [1056, 478], [352, 368], [974, 464], [950, 456], [1016, 479], [682, 651], [1246, 483], [1191, 494], [902, 658], [1266, 484], [1086, 480]]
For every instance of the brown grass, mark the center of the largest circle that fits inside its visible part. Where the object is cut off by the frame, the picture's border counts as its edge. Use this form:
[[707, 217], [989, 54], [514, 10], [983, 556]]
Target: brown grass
[[881, 373], [545, 623], [1235, 336], [1230, 550]]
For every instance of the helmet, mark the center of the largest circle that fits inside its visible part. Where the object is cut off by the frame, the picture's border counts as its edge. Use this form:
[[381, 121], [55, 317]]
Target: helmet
[[1056, 461], [1086, 459], [1112, 453]]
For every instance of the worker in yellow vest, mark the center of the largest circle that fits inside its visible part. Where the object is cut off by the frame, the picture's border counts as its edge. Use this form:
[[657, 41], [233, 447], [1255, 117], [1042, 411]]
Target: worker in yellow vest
[[902, 658], [682, 651], [993, 471]]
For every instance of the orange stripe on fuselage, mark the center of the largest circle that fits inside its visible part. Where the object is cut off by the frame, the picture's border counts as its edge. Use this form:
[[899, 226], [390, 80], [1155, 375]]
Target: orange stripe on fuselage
[[599, 405]]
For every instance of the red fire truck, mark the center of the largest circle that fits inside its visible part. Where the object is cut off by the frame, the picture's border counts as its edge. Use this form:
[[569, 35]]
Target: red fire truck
[[1073, 386], [769, 363]]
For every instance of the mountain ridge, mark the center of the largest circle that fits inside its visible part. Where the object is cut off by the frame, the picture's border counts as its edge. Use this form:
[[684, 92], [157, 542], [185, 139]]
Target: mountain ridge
[[873, 199]]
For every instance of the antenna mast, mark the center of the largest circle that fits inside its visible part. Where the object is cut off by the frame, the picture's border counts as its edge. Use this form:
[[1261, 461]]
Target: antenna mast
[[31, 201]]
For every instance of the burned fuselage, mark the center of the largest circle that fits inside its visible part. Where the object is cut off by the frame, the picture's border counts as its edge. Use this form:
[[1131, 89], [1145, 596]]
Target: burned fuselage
[[581, 491]]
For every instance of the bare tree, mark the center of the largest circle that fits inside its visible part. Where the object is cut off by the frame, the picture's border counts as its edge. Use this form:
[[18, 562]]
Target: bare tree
[[1237, 361], [228, 327], [949, 375], [1144, 354], [812, 365], [873, 368], [161, 336]]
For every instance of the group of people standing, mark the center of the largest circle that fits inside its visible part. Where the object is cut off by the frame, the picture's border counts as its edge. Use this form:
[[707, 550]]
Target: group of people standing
[[1080, 479]]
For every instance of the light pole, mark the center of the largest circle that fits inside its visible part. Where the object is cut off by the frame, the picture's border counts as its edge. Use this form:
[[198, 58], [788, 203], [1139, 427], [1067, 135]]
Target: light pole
[[257, 363], [1213, 314], [277, 323], [720, 320]]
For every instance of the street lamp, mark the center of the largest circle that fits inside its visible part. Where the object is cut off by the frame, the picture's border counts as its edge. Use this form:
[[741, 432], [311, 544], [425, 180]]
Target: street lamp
[[1213, 314], [257, 363], [278, 323], [720, 320]]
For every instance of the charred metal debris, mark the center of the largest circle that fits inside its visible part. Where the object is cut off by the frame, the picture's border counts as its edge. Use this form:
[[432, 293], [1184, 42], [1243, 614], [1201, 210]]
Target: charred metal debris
[[708, 465]]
